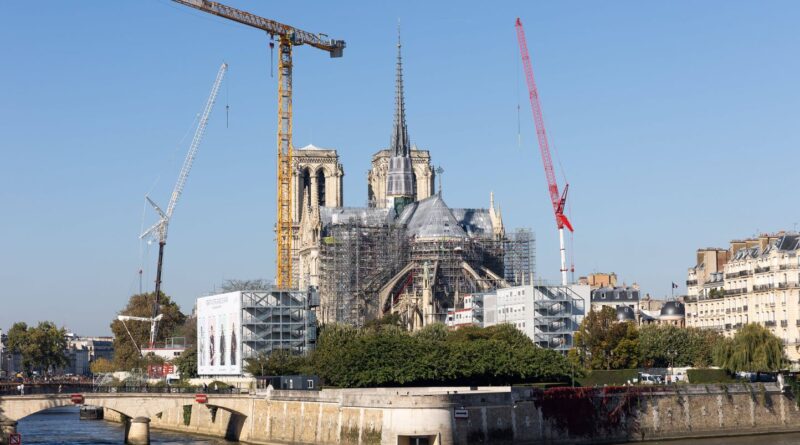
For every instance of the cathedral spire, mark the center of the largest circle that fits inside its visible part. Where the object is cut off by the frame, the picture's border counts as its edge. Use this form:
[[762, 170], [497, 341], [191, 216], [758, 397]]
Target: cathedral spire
[[400, 144], [401, 183]]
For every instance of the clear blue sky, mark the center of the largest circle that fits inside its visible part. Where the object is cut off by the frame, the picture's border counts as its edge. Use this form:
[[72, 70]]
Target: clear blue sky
[[676, 124]]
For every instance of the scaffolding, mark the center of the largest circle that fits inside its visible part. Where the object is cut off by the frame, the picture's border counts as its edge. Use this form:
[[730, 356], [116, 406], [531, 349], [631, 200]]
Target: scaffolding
[[556, 309], [454, 267], [520, 257], [357, 258], [278, 319]]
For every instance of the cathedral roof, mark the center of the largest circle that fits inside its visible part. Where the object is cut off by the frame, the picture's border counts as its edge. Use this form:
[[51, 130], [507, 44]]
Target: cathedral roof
[[365, 216], [476, 222], [431, 218]]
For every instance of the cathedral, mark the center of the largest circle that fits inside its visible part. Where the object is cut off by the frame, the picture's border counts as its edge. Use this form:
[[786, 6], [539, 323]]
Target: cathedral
[[407, 252]]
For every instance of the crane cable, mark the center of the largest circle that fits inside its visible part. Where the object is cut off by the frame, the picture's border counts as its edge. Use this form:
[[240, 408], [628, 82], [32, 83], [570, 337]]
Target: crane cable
[[131, 336]]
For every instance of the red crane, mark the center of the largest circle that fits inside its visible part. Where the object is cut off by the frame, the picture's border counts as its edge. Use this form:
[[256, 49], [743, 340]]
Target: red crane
[[558, 199]]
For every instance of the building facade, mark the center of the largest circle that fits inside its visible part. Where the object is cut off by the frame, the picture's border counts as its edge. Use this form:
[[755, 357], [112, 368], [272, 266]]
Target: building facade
[[548, 315], [758, 283]]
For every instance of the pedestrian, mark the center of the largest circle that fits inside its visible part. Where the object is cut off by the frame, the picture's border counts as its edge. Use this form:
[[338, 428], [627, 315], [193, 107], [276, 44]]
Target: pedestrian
[[59, 389], [22, 389]]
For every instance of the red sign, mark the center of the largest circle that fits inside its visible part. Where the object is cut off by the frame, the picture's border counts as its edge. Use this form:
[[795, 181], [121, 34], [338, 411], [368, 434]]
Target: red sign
[[160, 371], [201, 398], [76, 398]]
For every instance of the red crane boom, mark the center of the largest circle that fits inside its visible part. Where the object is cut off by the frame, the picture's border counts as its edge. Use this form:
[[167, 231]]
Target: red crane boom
[[558, 199]]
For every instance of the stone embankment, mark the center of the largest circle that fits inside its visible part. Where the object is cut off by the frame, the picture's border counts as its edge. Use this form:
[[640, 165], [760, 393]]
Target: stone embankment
[[447, 416]]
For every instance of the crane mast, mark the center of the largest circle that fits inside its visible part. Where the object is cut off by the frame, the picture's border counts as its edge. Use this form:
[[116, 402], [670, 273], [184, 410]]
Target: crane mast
[[288, 37], [159, 229], [558, 200]]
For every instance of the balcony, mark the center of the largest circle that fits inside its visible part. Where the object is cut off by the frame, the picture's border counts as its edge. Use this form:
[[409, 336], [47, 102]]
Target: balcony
[[797, 322], [727, 326], [735, 291], [727, 311], [786, 266], [691, 282], [762, 287], [784, 323], [761, 269], [737, 326], [770, 324], [744, 308]]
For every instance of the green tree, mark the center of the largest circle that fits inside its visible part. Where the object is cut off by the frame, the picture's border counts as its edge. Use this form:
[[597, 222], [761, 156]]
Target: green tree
[[602, 342], [43, 348], [126, 351], [385, 355], [279, 362], [669, 345], [753, 349], [187, 363]]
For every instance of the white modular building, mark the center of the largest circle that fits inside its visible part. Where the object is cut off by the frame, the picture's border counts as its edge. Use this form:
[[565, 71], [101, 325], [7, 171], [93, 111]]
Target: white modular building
[[235, 326], [549, 315]]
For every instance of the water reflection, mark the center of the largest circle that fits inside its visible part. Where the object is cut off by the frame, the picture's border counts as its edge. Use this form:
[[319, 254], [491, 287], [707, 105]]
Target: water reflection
[[60, 426]]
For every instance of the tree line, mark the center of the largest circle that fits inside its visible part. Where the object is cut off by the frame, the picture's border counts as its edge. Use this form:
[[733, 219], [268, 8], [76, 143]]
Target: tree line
[[602, 342], [384, 354]]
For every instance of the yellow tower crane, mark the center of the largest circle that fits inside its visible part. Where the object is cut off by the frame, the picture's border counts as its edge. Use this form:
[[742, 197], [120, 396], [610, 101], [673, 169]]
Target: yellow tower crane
[[287, 37]]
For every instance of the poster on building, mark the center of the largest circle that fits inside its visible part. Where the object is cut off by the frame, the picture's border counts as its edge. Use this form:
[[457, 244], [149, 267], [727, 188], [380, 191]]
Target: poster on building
[[219, 321]]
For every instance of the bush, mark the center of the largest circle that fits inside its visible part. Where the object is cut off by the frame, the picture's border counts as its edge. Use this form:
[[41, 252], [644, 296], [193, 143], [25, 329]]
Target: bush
[[385, 355], [709, 376], [612, 378]]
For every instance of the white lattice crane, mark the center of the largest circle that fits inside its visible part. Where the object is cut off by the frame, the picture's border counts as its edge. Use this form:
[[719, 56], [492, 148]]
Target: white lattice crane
[[159, 229]]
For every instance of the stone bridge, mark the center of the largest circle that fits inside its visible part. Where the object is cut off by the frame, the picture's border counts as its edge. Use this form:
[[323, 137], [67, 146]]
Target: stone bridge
[[135, 409]]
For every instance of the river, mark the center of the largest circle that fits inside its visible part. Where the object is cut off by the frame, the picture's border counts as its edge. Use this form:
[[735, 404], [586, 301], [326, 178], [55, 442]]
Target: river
[[60, 426]]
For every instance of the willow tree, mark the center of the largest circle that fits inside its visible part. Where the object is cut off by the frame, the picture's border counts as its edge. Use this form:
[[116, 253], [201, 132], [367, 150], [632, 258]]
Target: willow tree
[[753, 349]]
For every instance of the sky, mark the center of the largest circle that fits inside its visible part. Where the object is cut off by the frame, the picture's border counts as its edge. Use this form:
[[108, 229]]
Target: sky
[[675, 124]]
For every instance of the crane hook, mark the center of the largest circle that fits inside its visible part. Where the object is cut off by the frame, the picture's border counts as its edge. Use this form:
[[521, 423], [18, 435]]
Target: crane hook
[[271, 56]]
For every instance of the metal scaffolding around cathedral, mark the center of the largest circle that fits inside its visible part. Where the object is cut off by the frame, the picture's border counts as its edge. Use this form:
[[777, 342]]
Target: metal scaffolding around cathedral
[[407, 252]]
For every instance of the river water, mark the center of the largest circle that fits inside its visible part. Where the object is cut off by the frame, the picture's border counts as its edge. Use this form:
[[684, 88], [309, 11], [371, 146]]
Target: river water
[[60, 426]]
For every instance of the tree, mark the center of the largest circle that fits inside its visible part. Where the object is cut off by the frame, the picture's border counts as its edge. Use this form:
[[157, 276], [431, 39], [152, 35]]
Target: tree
[[753, 349], [102, 366], [602, 342], [126, 351], [42, 348], [279, 362], [187, 363], [669, 345]]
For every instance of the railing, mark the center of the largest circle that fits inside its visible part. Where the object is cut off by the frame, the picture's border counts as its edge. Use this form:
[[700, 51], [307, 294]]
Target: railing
[[769, 324], [784, 323], [762, 287], [691, 282], [761, 269], [11, 390], [735, 291], [785, 266]]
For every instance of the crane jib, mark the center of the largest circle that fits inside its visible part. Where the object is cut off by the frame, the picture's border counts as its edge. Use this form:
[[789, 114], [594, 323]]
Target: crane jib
[[296, 36]]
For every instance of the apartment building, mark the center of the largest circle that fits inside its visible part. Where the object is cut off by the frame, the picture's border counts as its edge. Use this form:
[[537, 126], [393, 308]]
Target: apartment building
[[758, 282]]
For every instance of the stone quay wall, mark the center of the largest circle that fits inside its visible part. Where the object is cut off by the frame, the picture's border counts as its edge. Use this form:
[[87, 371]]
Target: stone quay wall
[[448, 416]]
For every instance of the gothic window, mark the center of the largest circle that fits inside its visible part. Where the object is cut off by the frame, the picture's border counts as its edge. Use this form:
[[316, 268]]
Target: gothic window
[[321, 187]]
